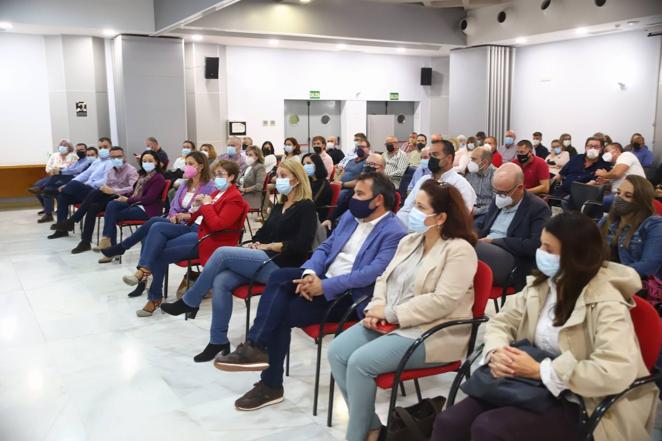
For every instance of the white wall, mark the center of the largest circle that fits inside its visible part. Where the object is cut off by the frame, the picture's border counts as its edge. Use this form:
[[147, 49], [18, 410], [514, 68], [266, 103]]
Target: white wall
[[259, 80], [572, 87], [25, 125], [468, 93]]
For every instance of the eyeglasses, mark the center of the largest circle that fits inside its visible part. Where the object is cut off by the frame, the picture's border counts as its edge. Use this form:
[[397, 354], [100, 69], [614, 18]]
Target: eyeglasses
[[221, 174], [436, 142], [505, 193], [372, 164]]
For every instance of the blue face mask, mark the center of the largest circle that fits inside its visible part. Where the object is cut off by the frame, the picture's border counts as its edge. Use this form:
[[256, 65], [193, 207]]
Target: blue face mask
[[232, 151], [417, 221], [557, 150], [283, 186], [309, 169], [90, 159], [288, 148], [361, 209], [549, 264], [62, 149], [221, 183], [424, 163], [148, 167], [104, 153], [508, 140], [118, 162], [186, 151]]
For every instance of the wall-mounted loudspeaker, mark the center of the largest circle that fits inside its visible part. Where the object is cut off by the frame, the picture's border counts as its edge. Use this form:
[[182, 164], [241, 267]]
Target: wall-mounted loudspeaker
[[211, 68], [426, 76]]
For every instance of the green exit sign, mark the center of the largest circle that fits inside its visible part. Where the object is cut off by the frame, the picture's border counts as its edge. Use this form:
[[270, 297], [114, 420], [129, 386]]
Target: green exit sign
[[394, 96], [314, 94]]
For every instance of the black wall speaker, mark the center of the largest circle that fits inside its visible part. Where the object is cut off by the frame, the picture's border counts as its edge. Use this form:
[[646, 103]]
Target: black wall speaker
[[211, 68], [426, 76]]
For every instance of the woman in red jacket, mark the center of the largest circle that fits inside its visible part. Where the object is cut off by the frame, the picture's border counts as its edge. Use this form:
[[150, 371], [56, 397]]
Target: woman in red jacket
[[167, 243]]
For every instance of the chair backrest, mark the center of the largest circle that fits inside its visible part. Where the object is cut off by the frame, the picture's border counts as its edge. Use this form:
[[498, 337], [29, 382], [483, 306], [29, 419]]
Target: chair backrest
[[648, 328], [406, 179], [335, 194], [650, 173], [333, 173], [166, 189], [584, 192], [657, 205], [482, 288], [398, 201]]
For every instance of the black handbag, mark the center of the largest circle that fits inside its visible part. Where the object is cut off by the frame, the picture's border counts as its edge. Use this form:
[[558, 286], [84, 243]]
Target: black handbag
[[414, 423], [523, 393]]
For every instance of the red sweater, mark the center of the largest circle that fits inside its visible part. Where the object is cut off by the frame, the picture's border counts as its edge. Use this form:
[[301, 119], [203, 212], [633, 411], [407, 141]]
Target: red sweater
[[227, 213]]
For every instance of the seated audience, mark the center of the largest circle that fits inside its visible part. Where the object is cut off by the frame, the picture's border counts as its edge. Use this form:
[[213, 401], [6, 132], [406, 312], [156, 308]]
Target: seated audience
[[491, 143], [246, 142], [409, 145], [62, 158], [233, 152], [428, 282], [508, 150], [414, 156], [119, 182], [577, 310], [558, 157], [187, 147], [632, 229], [358, 137], [581, 168], [540, 150], [396, 161], [566, 140], [334, 150], [251, 183], [441, 168], [353, 257], [267, 148], [462, 155], [422, 168], [145, 202], [168, 242], [480, 138], [480, 172], [209, 151], [512, 224], [471, 144], [292, 149], [640, 149], [319, 184], [623, 164], [536, 170], [319, 147], [152, 144], [286, 237]]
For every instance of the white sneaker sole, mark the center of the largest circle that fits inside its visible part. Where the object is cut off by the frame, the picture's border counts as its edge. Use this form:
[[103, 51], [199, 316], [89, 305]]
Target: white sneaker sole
[[229, 367], [268, 403]]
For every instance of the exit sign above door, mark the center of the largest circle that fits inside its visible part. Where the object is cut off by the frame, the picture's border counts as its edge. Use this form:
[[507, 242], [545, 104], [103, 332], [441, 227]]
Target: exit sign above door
[[314, 94], [394, 96]]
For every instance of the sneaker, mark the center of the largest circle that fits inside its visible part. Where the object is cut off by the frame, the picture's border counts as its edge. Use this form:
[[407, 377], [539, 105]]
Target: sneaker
[[247, 357], [260, 396]]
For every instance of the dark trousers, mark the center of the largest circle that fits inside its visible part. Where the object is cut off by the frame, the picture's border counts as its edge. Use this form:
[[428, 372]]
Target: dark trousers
[[118, 211], [473, 420], [279, 311], [50, 189], [72, 193], [94, 203]]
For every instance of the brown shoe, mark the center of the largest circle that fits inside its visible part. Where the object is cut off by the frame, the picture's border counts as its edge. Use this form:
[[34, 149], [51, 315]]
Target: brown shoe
[[150, 307], [260, 396], [104, 243], [247, 357]]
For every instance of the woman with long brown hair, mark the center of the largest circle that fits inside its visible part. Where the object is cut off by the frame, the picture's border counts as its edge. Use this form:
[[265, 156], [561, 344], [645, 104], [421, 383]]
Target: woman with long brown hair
[[429, 281]]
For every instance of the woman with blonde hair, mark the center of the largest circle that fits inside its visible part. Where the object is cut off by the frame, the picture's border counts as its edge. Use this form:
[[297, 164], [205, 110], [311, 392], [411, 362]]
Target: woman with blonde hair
[[209, 151], [286, 237]]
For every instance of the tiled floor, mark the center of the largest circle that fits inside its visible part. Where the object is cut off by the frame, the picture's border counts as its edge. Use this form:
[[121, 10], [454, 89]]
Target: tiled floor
[[77, 364]]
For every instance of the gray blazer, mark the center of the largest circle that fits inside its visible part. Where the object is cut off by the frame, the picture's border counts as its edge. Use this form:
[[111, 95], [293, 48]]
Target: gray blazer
[[253, 182]]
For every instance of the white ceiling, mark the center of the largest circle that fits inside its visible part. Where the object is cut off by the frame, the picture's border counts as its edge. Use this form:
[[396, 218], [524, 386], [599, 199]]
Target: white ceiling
[[466, 4]]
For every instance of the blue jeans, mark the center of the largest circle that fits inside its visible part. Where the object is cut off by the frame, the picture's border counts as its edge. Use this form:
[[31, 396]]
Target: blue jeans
[[118, 211], [357, 357], [226, 269], [72, 193], [166, 243], [141, 232], [279, 311]]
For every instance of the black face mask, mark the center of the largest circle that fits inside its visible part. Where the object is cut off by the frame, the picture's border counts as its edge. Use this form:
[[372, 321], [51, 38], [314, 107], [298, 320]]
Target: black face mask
[[369, 169], [636, 145], [622, 207], [81, 154], [317, 149], [244, 146], [359, 152], [420, 146], [523, 158], [266, 151], [390, 147], [434, 165]]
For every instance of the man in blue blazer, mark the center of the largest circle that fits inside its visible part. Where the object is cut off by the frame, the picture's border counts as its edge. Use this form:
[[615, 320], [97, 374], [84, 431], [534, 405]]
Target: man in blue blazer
[[352, 258]]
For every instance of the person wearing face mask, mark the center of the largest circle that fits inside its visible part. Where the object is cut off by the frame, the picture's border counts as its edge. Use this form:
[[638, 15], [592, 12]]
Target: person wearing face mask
[[358, 138], [577, 309], [480, 172], [623, 164], [167, 242], [251, 183], [581, 168], [540, 150], [246, 142], [566, 141], [283, 241], [491, 143], [319, 147], [633, 231], [414, 156], [480, 138], [319, 184], [145, 201], [354, 166], [75, 191], [292, 149], [334, 150], [152, 144], [187, 147], [511, 227], [209, 151], [62, 158], [508, 150], [557, 157], [462, 157], [536, 170], [119, 182], [410, 144], [639, 148], [422, 169], [352, 258], [233, 152], [441, 169], [396, 160], [429, 281]]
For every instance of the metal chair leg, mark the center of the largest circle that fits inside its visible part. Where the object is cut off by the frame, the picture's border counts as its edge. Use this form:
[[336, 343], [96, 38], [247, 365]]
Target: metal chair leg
[[329, 413], [98, 229], [165, 283], [250, 230], [496, 305], [418, 390], [402, 389], [248, 315], [317, 374], [287, 363]]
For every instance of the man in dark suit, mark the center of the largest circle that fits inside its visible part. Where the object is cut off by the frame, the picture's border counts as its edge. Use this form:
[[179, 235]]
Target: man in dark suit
[[511, 228]]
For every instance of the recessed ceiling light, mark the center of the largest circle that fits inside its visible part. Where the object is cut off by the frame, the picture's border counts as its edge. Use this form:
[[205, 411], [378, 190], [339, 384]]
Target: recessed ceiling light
[[633, 22], [5, 26], [109, 32], [401, 50], [196, 37], [341, 46], [581, 31], [520, 40], [304, 1], [273, 42]]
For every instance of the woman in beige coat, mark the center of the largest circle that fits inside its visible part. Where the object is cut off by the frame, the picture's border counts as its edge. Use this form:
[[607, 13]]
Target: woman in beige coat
[[252, 181], [577, 310], [429, 281]]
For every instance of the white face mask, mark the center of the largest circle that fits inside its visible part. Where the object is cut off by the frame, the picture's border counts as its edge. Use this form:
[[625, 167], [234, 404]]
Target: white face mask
[[502, 201], [330, 145], [607, 157], [535, 142], [470, 146], [487, 145], [567, 143], [473, 167], [592, 153], [250, 160]]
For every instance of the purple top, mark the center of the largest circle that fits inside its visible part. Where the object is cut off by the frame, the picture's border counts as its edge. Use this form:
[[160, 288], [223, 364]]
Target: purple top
[[150, 198], [176, 203]]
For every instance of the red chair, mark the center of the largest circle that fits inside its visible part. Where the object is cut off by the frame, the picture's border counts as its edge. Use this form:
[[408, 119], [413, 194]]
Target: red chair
[[657, 205], [398, 201], [391, 380], [335, 194], [333, 173]]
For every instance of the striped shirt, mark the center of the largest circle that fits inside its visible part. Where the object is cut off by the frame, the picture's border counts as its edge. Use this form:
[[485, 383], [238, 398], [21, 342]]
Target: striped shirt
[[482, 185], [396, 165]]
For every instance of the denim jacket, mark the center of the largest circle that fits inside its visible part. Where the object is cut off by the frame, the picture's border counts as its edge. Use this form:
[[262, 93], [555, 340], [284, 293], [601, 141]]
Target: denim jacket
[[644, 252]]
